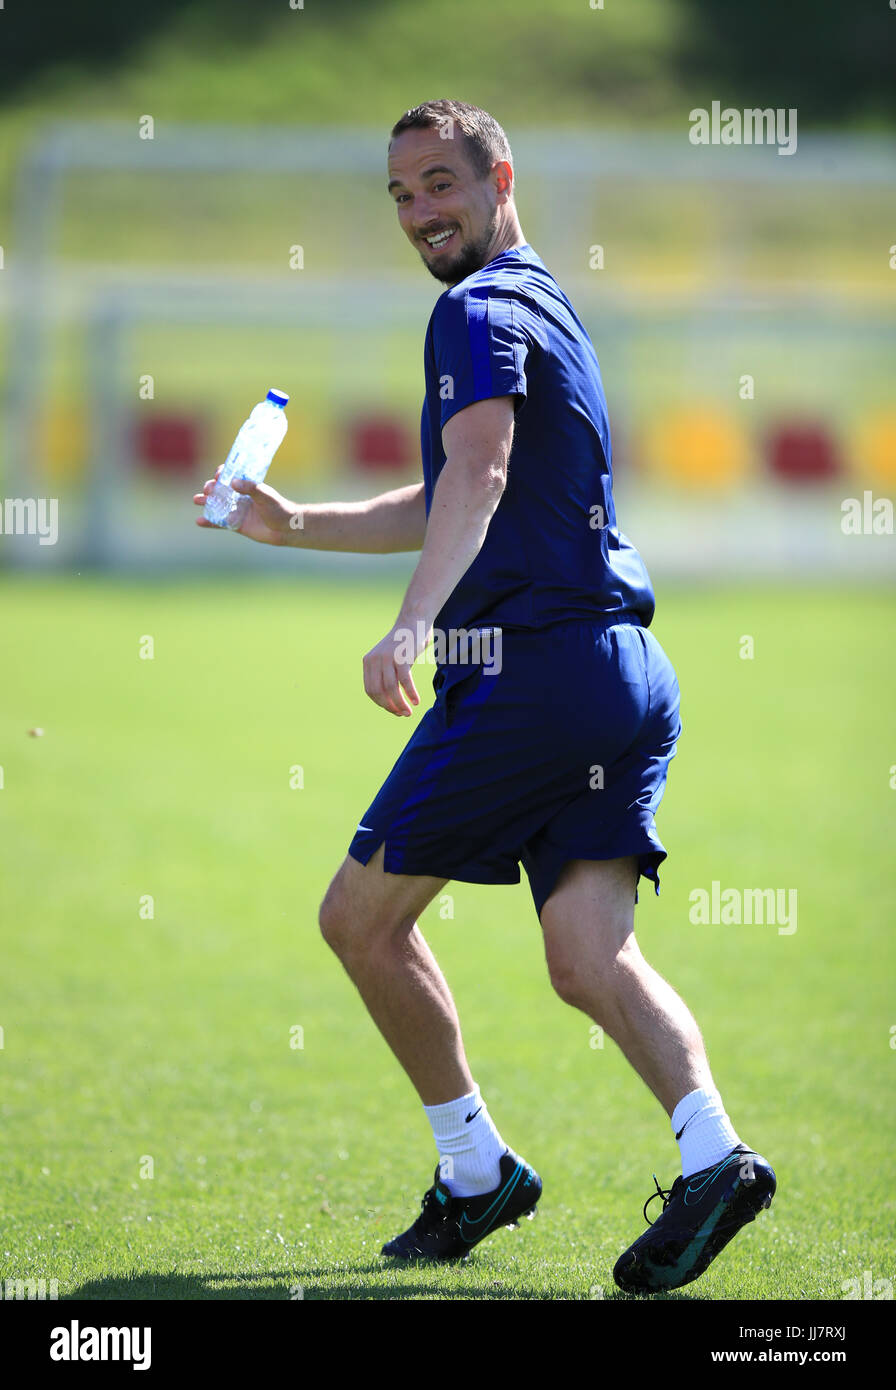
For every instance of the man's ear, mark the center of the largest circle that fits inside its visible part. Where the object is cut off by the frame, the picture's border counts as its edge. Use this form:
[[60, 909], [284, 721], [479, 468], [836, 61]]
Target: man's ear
[[502, 174]]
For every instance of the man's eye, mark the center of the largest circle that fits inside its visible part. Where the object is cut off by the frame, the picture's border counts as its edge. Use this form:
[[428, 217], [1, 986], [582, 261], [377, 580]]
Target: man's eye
[[437, 186], [400, 197]]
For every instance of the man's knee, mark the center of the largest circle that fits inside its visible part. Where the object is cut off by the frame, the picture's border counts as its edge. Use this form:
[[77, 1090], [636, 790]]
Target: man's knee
[[332, 917], [596, 982], [569, 982], [354, 917]]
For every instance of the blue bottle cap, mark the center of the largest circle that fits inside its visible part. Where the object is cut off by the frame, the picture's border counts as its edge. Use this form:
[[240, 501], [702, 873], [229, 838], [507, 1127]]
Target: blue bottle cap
[[278, 397]]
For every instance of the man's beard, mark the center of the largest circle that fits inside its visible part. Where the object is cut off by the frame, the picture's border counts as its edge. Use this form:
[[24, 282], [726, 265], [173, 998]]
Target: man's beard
[[473, 256]]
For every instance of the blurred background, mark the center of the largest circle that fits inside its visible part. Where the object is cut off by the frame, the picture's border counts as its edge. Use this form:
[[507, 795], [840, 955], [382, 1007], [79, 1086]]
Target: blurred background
[[193, 210]]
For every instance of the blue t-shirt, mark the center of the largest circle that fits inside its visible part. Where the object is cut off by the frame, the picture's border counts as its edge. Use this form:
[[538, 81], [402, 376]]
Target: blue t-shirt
[[552, 551]]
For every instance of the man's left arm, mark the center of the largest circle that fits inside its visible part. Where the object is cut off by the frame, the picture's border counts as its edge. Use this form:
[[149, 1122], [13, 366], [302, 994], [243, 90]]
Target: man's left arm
[[477, 442]]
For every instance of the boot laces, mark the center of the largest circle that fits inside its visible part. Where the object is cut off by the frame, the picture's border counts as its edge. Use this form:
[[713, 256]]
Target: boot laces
[[431, 1207], [666, 1195]]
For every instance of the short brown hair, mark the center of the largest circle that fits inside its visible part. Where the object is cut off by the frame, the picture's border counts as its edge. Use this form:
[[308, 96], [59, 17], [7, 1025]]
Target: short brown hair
[[485, 140]]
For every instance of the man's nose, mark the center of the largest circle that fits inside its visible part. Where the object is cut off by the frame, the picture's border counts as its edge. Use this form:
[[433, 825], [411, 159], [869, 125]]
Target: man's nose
[[425, 214]]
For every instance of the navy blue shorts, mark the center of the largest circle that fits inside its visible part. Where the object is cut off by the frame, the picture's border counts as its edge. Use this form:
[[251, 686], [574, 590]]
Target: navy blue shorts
[[561, 754]]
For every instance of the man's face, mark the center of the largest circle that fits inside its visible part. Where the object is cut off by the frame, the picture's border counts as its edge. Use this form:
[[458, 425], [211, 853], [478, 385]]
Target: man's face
[[449, 214]]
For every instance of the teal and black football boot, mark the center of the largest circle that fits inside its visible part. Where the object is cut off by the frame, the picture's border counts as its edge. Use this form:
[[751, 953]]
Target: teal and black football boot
[[448, 1227], [701, 1214]]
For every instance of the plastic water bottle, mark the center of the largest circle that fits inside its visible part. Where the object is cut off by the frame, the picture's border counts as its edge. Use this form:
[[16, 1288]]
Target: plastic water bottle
[[250, 458]]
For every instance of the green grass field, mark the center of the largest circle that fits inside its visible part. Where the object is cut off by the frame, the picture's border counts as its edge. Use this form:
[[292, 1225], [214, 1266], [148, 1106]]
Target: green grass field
[[136, 1043]]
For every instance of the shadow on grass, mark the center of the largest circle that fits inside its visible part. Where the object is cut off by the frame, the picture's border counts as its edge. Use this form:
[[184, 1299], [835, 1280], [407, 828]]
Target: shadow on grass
[[308, 1285]]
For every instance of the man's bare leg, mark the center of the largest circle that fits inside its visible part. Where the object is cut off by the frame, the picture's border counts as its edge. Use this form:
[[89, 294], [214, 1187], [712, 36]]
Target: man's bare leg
[[596, 965], [369, 919]]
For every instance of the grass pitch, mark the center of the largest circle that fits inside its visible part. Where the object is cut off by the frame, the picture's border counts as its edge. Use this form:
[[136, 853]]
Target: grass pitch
[[163, 1133]]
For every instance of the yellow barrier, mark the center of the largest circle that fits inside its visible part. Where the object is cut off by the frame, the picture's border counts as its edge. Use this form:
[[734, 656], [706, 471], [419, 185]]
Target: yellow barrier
[[874, 449], [699, 448]]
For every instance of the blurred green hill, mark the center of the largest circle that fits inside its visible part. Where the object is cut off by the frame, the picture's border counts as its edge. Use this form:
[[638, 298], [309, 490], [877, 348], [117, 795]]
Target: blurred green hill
[[644, 62], [338, 59]]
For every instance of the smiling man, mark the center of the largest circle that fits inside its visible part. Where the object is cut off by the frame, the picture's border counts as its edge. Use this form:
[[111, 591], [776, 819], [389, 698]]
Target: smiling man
[[556, 756]]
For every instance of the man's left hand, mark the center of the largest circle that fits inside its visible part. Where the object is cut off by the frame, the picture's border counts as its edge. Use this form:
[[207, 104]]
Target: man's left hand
[[387, 667]]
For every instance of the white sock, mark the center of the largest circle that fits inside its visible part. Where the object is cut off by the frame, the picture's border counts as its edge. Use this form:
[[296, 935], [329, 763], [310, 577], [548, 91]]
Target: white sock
[[704, 1132], [469, 1145]]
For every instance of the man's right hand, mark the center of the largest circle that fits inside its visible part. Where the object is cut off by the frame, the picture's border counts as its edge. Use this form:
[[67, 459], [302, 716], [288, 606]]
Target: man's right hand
[[271, 519]]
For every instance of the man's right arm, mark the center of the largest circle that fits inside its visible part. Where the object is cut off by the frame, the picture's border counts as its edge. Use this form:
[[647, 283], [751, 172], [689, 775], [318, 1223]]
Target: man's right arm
[[393, 521]]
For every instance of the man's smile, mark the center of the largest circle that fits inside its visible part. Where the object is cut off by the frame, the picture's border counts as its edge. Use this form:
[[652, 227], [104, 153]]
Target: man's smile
[[436, 240]]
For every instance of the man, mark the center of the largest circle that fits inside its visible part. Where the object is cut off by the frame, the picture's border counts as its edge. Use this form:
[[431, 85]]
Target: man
[[555, 755]]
